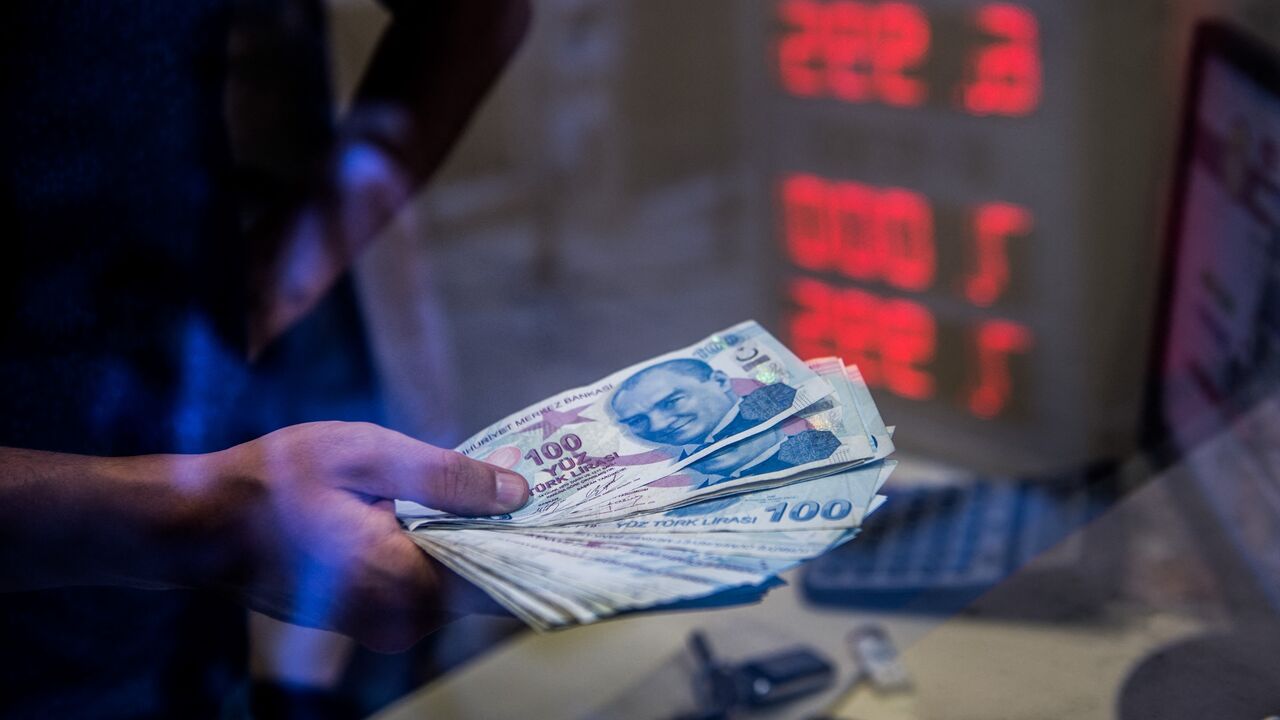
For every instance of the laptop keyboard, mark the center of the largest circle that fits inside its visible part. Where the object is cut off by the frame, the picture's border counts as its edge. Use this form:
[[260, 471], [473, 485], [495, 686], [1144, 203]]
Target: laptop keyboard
[[950, 543]]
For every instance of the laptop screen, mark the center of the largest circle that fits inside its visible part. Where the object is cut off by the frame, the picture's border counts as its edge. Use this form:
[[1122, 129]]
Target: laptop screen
[[1221, 346], [1214, 404]]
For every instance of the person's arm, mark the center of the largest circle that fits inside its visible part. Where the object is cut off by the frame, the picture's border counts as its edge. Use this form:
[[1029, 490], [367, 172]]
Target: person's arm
[[431, 69], [298, 524]]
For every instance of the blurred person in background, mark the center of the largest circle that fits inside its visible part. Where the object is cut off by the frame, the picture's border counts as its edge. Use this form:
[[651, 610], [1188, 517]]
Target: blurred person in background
[[166, 215]]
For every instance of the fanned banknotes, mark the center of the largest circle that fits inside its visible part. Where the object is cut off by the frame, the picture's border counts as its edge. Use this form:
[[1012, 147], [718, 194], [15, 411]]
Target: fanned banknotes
[[703, 472]]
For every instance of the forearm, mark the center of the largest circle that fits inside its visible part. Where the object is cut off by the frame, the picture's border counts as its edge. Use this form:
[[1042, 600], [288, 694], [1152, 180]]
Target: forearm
[[432, 68], [147, 521], [298, 524], [430, 71]]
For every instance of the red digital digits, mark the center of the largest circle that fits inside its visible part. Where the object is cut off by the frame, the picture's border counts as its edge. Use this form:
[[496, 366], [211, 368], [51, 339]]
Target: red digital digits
[[856, 330], [1005, 77], [904, 226], [853, 51], [804, 216], [811, 324], [902, 45], [892, 341], [995, 341], [844, 32], [862, 232], [908, 339], [861, 51], [886, 235], [853, 228], [993, 225], [802, 51]]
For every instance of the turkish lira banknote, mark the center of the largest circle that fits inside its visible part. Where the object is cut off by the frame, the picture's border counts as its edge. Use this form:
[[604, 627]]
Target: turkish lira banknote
[[827, 437], [641, 423], [699, 474]]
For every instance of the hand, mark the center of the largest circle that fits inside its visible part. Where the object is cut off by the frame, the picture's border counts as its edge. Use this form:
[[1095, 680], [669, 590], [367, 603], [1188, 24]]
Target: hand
[[318, 541]]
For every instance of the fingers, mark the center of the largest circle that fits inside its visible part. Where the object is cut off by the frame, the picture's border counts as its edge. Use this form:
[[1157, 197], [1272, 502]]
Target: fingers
[[383, 464], [407, 469], [437, 598], [452, 482], [391, 598]]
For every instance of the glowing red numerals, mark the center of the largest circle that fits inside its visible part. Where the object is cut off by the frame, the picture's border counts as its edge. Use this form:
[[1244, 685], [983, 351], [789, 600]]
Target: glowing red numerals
[[864, 51], [908, 339], [993, 225], [854, 51], [804, 208], [904, 228], [996, 340], [891, 341], [1004, 77], [802, 52], [862, 232], [902, 45], [886, 235]]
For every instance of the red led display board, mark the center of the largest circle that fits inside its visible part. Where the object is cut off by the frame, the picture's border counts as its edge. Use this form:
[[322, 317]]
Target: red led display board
[[949, 193], [859, 51], [862, 232], [882, 274], [865, 265]]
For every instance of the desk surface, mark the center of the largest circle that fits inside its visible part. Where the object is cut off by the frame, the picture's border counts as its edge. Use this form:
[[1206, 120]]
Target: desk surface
[[962, 667], [574, 672]]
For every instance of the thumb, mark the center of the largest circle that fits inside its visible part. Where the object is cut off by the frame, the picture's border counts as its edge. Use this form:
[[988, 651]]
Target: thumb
[[450, 481]]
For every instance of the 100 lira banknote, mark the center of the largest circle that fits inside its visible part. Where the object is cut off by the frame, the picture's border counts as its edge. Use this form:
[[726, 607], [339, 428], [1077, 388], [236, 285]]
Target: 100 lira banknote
[[822, 439], [640, 424]]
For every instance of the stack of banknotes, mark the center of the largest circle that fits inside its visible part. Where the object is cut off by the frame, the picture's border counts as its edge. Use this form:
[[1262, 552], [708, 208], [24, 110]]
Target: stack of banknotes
[[688, 480]]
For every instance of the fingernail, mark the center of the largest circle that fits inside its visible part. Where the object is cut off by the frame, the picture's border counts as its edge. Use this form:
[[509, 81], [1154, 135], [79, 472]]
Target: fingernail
[[513, 491]]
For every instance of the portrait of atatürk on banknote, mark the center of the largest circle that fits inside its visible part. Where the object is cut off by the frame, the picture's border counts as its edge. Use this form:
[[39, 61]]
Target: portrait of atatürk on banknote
[[686, 404]]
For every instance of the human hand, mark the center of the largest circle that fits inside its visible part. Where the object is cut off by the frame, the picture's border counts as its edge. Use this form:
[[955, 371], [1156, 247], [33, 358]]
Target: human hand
[[317, 541]]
